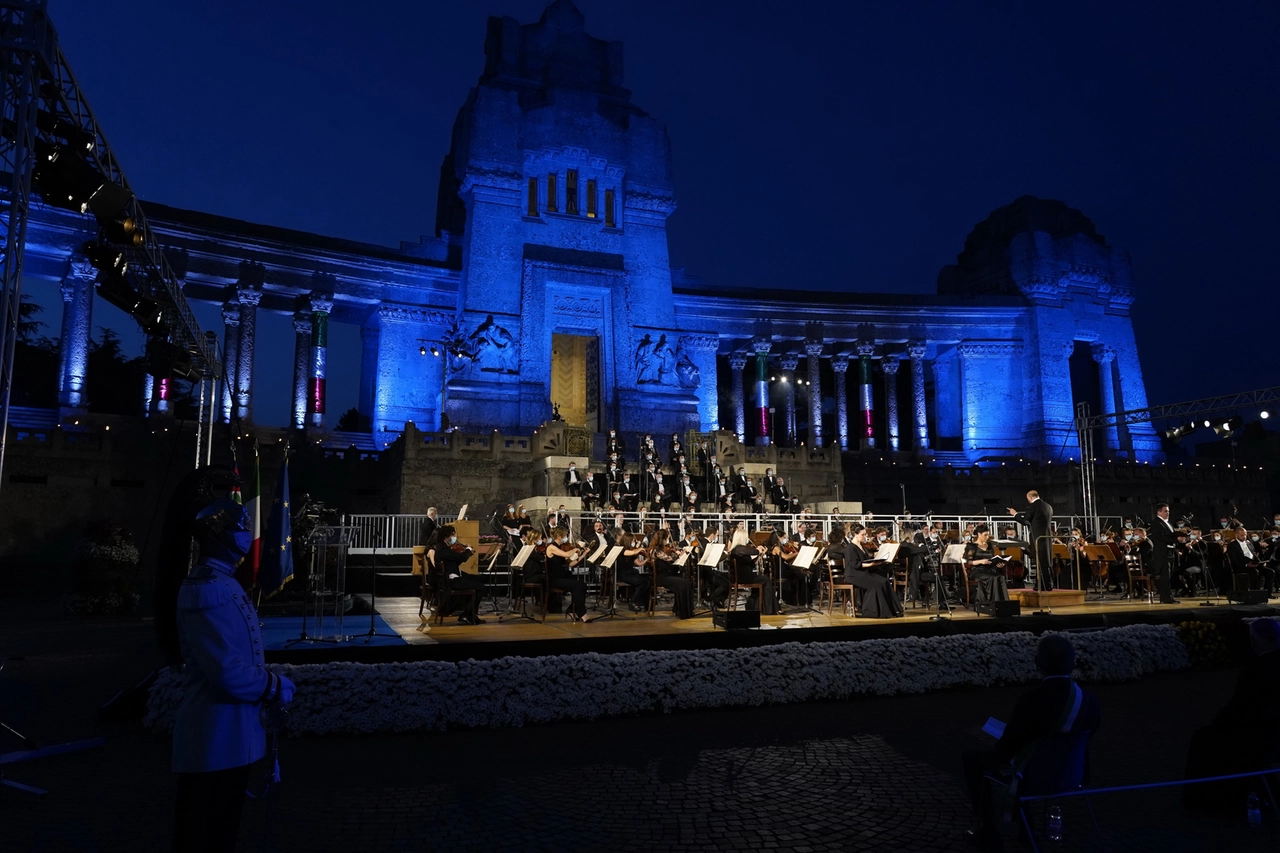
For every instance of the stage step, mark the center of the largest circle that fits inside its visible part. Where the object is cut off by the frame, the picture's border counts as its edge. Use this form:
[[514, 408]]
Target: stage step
[[1051, 598]]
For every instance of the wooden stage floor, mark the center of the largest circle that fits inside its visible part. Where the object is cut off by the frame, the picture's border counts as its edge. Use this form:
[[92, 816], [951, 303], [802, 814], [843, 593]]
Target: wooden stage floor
[[402, 615]]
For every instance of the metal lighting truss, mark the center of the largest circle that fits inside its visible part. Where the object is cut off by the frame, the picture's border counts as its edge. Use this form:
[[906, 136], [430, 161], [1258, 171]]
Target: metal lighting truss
[[35, 71], [1085, 424]]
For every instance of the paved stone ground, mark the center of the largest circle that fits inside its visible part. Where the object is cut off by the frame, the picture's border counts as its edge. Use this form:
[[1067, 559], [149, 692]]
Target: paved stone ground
[[872, 774]]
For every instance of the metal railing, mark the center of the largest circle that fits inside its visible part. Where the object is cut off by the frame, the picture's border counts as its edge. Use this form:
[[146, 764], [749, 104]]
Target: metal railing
[[389, 534]]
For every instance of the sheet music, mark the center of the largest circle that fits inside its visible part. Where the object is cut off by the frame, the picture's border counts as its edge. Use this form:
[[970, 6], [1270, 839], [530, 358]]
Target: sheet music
[[599, 552], [953, 554], [462, 513], [612, 557], [711, 556], [887, 552], [682, 559], [520, 559], [805, 558]]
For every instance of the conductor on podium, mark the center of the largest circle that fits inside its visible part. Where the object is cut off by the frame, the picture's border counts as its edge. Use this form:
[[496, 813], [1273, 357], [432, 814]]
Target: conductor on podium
[[1037, 517]]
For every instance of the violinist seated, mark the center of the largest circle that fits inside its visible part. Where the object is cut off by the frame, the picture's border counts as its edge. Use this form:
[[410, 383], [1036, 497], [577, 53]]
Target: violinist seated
[[632, 568], [535, 568], [1189, 565], [742, 569], [798, 581], [982, 565], [562, 556], [450, 554], [670, 576]]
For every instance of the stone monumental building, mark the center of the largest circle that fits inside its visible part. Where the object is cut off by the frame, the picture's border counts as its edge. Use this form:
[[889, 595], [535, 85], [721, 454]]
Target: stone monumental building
[[548, 283]]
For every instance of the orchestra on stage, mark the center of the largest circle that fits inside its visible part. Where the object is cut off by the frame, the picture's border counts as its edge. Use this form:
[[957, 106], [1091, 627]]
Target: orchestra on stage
[[687, 537]]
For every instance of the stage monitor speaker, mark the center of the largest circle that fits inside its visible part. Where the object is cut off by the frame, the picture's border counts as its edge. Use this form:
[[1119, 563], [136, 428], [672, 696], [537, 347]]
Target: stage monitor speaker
[[1000, 608], [737, 620], [1247, 596]]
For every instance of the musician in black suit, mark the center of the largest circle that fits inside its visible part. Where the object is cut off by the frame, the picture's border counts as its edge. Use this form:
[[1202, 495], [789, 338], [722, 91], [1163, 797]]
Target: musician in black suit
[[737, 479], [630, 493], [769, 481], [429, 525], [1038, 517], [573, 481], [1164, 552], [590, 492], [615, 444], [1242, 554], [1057, 705], [751, 498], [781, 495]]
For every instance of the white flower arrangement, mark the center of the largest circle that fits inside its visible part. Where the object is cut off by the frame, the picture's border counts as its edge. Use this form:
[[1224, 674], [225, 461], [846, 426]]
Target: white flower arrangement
[[346, 698]]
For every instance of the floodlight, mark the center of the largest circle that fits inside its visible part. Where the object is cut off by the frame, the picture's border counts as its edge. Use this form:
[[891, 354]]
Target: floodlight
[[1264, 414], [123, 230]]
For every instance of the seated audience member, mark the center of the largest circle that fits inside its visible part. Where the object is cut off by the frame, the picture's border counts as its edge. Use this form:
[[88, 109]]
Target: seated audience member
[[1057, 705], [1244, 735]]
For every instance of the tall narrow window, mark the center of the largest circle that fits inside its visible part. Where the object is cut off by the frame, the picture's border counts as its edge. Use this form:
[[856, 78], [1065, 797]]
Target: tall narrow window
[[609, 216], [592, 204], [571, 192], [552, 204], [533, 196]]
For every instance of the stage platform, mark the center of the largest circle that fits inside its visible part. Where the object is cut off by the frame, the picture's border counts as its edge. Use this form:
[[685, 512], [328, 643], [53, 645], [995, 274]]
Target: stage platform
[[631, 632]]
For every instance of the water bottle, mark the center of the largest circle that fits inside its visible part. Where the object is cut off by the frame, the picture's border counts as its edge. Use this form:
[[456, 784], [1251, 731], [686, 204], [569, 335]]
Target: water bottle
[[1055, 823], [1252, 810]]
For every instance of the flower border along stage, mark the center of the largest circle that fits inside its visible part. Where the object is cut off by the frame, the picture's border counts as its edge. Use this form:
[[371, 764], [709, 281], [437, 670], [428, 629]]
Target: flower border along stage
[[348, 698]]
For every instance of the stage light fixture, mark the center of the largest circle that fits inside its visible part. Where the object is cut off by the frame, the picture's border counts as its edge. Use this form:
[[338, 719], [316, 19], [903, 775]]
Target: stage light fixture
[[422, 350], [435, 351], [105, 257], [1264, 414], [124, 230], [75, 136], [1208, 423], [166, 359], [119, 291]]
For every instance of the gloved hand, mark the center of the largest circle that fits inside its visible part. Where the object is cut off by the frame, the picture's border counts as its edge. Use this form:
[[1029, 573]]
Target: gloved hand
[[287, 689]]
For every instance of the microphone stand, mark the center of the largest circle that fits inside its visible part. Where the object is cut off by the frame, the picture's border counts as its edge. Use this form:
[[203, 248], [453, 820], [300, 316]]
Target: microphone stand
[[373, 595]]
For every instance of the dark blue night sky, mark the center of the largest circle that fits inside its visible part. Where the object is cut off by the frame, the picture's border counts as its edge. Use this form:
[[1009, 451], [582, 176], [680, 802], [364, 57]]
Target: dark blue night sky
[[840, 146]]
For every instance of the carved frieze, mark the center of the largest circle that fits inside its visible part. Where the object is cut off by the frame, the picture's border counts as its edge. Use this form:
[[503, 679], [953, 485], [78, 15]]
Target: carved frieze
[[576, 306], [410, 314], [498, 178], [990, 350]]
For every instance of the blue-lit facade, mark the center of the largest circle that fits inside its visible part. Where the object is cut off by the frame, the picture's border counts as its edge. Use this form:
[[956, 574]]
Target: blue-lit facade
[[548, 283]]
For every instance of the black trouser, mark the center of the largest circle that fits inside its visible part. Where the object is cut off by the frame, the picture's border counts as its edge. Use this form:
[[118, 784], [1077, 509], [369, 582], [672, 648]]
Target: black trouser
[[1162, 580], [206, 816], [577, 590], [469, 604], [977, 764], [801, 584]]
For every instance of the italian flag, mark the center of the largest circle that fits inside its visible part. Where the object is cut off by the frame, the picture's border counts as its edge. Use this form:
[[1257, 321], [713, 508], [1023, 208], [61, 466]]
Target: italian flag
[[251, 499]]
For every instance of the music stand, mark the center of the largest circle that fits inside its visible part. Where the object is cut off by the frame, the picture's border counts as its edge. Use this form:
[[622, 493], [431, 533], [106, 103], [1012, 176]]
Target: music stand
[[326, 541], [1098, 554], [606, 565], [518, 562], [953, 555]]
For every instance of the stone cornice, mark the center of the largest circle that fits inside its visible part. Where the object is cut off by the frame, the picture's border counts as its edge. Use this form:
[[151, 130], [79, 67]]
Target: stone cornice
[[495, 177], [654, 202], [409, 314]]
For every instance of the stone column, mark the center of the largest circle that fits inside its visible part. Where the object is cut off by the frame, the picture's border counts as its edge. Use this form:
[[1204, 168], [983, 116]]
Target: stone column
[[866, 421], [762, 348], [370, 336], [249, 298], [890, 366], [301, 366], [1105, 356], [700, 350], [321, 306], [230, 357], [737, 362], [916, 352], [77, 324], [840, 364], [813, 349], [788, 362]]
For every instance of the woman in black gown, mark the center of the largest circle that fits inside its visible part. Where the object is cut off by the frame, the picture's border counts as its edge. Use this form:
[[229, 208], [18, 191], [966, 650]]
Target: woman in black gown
[[630, 569], [878, 600], [560, 553], [979, 563]]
